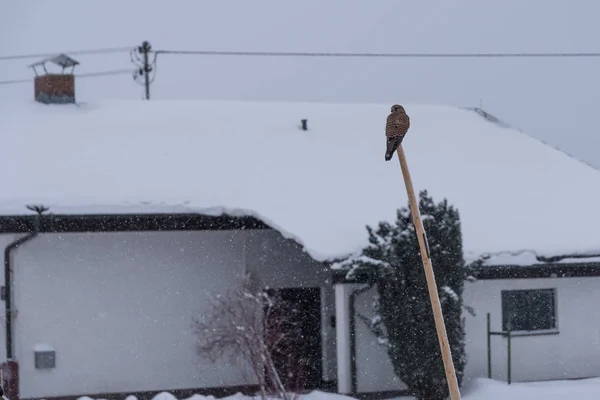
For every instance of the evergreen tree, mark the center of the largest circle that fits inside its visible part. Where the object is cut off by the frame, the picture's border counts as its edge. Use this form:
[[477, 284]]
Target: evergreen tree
[[404, 320]]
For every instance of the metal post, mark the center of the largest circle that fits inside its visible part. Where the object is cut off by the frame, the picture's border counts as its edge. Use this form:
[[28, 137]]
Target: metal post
[[508, 349], [489, 346]]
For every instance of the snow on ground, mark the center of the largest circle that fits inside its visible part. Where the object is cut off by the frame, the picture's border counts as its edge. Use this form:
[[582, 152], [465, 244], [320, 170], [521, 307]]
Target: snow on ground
[[481, 389], [485, 389], [320, 186]]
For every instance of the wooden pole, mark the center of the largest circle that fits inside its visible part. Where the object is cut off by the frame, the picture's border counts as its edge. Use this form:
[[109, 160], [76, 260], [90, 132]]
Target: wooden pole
[[431, 285]]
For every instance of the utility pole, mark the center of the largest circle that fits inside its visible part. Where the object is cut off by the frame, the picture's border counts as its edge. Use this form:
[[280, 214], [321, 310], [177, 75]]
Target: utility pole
[[145, 48], [143, 67]]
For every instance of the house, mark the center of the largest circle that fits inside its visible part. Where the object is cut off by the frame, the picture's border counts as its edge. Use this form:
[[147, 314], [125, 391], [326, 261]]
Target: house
[[555, 337], [153, 207], [111, 300]]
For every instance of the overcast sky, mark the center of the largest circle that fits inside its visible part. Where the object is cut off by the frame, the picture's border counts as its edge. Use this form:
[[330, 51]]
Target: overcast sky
[[555, 100]]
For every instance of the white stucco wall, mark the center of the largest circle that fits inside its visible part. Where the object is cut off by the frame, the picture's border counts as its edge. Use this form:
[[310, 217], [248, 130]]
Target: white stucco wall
[[572, 353], [117, 307], [372, 375]]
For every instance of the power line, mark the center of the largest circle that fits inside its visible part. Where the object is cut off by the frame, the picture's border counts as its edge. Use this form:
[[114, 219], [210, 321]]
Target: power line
[[106, 73], [87, 75], [14, 81], [312, 54], [376, 55], [144, 66], [77, 52]]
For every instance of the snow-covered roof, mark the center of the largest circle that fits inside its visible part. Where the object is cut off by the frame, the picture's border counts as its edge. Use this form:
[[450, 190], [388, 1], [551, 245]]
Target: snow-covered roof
[[517, 196]]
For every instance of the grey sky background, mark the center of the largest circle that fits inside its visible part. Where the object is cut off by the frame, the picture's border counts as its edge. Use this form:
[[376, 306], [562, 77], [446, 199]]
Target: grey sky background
[[555, 100]]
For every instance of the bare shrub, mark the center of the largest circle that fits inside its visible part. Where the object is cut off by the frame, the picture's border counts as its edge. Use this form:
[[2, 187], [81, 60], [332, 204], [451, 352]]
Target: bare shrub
[[246, 325]]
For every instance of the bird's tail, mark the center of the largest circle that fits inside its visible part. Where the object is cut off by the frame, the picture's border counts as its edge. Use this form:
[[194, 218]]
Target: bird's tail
[[389, 154], [391, 146]]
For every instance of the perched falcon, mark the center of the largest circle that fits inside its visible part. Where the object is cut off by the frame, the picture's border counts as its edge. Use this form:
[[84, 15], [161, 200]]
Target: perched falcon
[[395, 129]]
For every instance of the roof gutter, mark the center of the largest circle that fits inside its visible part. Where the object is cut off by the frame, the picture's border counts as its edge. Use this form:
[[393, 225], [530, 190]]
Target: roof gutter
[[8, 278]]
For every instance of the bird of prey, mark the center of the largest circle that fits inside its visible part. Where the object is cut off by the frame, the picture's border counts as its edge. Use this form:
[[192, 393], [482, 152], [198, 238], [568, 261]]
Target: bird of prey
[[395, 129]]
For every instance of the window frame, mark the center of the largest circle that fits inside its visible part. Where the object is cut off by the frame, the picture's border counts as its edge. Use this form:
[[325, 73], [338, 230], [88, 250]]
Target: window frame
[[504, 308]]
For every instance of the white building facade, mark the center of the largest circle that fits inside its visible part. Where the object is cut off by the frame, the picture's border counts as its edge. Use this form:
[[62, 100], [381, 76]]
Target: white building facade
[[111, 312], [105, 309], [555, 328]]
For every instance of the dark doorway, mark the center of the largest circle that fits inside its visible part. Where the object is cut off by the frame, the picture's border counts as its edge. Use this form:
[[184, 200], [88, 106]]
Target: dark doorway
[[297, 358]]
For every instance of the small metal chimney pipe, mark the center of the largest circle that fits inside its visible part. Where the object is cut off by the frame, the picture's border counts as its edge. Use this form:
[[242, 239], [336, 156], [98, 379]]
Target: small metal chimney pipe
[[304, 124]]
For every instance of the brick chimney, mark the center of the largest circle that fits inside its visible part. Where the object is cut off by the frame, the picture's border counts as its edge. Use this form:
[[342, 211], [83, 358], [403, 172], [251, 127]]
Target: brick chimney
[[55, 88]]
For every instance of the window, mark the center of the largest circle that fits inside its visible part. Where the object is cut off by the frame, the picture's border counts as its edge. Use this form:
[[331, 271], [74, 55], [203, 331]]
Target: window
[[528, 310]]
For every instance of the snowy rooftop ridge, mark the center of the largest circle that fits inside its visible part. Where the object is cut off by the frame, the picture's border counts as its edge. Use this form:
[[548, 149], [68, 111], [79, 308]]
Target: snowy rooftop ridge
[[321, 186], [501, 123]]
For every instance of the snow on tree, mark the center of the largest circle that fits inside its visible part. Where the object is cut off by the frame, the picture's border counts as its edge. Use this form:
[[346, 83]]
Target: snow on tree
[[404, 319]]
